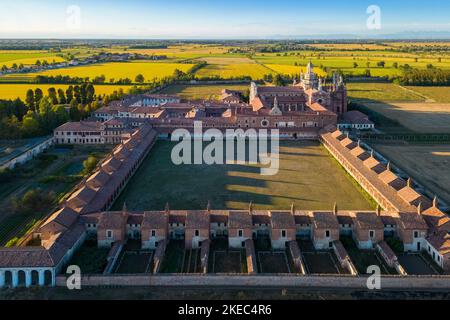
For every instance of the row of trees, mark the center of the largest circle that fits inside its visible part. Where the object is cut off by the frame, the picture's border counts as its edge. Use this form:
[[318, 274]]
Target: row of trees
[[40, 113], [424, 77]]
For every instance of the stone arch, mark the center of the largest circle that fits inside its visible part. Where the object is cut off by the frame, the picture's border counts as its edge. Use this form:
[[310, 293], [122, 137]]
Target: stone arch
[[48, 278], [21, 277], [8, 278], [34, 277]]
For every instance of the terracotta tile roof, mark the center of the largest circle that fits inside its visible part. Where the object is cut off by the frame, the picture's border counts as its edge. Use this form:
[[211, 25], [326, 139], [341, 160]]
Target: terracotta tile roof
[[178, 217], [344, 218], [112, 220], [391, 179], [387, 250], [325, 220], [390, 195], [260, 217], [98, 180], [436, 219], [81, 198], [349, 143], [135, 218], [412, 220], [218, 216], [440, 240], [368, 220], [374, 165], [18, 257], [282, 220], [340, 251], [411, 196], [302, 218], [155, 220], [111, 165], [91, 126], [240, 219], [197, 219], [65, 217]]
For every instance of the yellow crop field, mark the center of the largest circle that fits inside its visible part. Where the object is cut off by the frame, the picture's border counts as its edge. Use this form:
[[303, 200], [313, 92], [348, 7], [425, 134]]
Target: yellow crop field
[[13, 91], [289, 69], [115, 70]]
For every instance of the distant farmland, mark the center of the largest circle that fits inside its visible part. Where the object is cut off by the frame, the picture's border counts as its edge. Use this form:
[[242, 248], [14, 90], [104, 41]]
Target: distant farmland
[[232, 67], [12, 91], [114, 70]]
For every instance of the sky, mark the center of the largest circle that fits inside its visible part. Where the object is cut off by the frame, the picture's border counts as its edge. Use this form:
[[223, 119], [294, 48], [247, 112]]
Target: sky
[[216, 19]]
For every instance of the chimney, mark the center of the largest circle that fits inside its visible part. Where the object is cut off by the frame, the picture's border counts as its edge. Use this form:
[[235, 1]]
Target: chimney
[[208, 206], [409, 183], [388, 167], [378, 210], [250, 207], [167, 208], [435, 202], [335, 208], [292, 209], [419, 208]]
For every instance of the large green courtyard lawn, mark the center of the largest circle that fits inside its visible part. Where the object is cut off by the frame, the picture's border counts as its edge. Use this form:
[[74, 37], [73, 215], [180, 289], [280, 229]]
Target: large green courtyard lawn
[[308, 176]]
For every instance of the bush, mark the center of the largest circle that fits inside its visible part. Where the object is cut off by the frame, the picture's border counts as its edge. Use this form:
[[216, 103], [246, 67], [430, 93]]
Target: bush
[[12, 242], [89, 164], [33, 201]]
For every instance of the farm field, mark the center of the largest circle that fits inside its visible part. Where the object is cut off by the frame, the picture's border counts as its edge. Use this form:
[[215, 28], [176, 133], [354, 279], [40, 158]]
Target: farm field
[[201, 92], [113, 70], [232, 67], [428, 164], [308, 177], [13, 91], [438, 94], [418, 117], [26, 57], [373, 92]]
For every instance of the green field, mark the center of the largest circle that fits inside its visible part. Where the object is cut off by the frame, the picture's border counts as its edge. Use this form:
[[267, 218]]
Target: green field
[[26, 57], [113, 70], [12, 91], [232, 67], [202, 92], [382, 92], [438, 94], [308, 176]]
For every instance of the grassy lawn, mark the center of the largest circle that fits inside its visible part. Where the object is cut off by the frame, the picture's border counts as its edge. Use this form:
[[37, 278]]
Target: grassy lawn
[[273, 262], [416, 264], [225, 260], [362, 259], [202, 92], [173, 258], [134, 262], [308, 176], [90, 258]]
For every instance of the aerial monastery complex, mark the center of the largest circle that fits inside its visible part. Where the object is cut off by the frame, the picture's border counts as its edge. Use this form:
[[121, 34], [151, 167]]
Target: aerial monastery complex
[[308, 109]]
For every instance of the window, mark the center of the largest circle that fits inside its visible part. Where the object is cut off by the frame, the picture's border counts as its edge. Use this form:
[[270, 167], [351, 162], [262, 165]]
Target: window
[[327, 234], [416, 234], [197, 233], [153, 233], [283, 233], [371, 233], [240, 233], [109, 234]]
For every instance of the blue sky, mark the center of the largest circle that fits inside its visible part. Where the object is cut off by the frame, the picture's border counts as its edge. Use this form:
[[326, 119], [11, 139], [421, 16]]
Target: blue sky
[[215, 19]]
